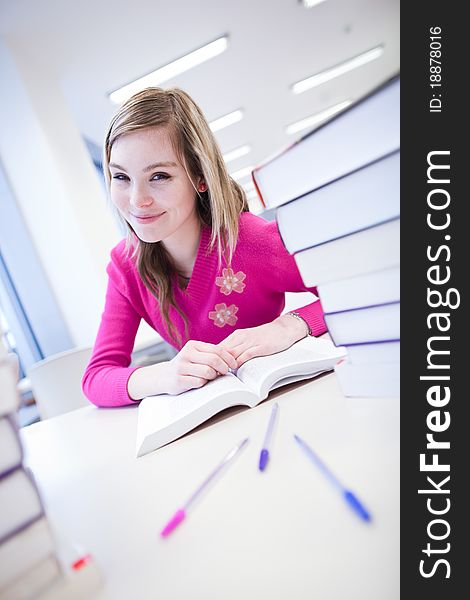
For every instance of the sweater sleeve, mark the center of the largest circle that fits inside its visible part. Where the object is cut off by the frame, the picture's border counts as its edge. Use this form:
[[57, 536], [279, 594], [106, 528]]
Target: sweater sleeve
[[289, 279], [105, 380]]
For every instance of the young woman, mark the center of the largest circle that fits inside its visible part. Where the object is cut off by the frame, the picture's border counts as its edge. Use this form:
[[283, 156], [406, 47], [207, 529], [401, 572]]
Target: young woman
[[205, 273]]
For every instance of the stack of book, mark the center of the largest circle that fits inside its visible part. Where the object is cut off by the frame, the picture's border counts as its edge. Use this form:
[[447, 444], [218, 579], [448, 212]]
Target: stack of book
[[31, 563], [337, 193]]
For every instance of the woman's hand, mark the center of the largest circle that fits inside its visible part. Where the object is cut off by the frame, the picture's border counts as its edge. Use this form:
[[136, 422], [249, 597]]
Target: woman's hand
[[273, 337], [196, 364]]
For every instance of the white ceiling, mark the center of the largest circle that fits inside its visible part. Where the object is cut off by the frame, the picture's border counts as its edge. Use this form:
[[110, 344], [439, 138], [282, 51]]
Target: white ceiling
[[93, 47]]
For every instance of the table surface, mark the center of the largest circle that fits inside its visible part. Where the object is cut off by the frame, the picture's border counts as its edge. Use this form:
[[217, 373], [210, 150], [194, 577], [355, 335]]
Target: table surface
[[284, 533]]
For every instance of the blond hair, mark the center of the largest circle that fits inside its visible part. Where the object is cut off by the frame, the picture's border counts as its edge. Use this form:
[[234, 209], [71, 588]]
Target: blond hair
[[198, 152]]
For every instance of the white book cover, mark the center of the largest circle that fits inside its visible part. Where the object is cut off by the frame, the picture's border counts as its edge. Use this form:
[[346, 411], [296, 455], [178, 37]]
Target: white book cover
[[164, 418], [379, 380], [77, 584], [20, 502], [358, 200], [369, 289], [42, 562], [35, 582], [81, 574], [9, 398], [374, 352], [11, 451], [359, 135], [363, 325], [24, 550], [358, 253]]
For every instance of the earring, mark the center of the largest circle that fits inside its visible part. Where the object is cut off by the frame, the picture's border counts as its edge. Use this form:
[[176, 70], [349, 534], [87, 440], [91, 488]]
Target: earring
[[202, 187]]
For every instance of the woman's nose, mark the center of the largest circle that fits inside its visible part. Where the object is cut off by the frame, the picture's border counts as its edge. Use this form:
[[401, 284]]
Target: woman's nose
[[139, 197]]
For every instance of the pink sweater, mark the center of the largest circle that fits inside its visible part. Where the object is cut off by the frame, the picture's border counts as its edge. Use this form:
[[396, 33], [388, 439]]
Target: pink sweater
[[216, 302]]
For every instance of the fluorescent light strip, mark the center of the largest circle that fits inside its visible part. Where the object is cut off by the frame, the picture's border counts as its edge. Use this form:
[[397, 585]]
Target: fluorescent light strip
[[255, 205], [178, 66], [249, 186], [251, 195], [226, 120], [345, 67], [311, 3], [242, 173], [237, 153], [318, 118]]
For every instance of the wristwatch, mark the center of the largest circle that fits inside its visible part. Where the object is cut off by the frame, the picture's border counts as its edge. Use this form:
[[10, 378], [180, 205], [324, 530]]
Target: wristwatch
[[297, 316]]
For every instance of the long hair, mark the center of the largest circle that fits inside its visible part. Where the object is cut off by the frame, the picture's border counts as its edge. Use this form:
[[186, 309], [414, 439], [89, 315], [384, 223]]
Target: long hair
[[198, 152]]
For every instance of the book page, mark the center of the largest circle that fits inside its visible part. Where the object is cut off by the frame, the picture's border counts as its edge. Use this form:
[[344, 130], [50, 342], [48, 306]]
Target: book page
[[177, 406], [163, 418], [306, 358]]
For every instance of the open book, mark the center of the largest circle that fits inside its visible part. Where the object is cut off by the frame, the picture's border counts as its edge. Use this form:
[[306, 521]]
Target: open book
[[164, 418]]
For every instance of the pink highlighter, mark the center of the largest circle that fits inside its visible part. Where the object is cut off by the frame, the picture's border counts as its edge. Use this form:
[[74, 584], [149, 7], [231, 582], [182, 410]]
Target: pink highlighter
[[180, 514]]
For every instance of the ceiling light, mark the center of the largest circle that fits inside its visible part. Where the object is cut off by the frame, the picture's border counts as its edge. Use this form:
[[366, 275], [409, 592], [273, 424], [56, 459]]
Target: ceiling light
[[252, 195], [254, 204], [344, 67], [226, 120], [178, 66], [249, 186], [241, 173], [317, 118], [310, 3], [237, 153]]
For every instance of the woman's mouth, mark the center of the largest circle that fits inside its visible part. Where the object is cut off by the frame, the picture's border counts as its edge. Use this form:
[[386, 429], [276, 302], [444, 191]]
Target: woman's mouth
[[147, 218]]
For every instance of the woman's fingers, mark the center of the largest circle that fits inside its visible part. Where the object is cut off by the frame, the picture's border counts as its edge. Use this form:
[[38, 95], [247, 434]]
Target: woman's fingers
[[234, 348], [235, 344], [188, 382], [241, 346], [201, 370], [220, 352], [236, 351], [213, 361], [249, 353], [197, 363]]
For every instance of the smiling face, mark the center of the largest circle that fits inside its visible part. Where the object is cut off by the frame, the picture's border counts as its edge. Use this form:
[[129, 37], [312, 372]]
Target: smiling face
[[150, 187]]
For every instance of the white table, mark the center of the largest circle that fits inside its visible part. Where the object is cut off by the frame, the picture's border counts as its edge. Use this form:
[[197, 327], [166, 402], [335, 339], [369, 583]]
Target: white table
[[285, 533]]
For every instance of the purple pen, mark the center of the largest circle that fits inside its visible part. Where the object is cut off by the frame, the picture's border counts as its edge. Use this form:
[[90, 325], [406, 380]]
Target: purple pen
[[180, 514], [264, 455], [350, 498]]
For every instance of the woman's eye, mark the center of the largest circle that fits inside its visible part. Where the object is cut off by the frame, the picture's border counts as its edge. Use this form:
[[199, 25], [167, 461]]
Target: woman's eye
[[160, 177], [156, 177]]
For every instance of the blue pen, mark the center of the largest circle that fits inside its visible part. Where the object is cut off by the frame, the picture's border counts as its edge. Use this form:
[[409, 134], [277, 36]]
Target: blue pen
[[264, 455], [350, 498]]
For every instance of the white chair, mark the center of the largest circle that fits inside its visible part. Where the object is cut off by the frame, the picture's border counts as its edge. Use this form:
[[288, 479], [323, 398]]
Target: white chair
[[56, 382]]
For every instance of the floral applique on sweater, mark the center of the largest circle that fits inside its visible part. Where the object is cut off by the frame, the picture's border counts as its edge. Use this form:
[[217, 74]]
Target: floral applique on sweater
[[228, 283], [224, 315]]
